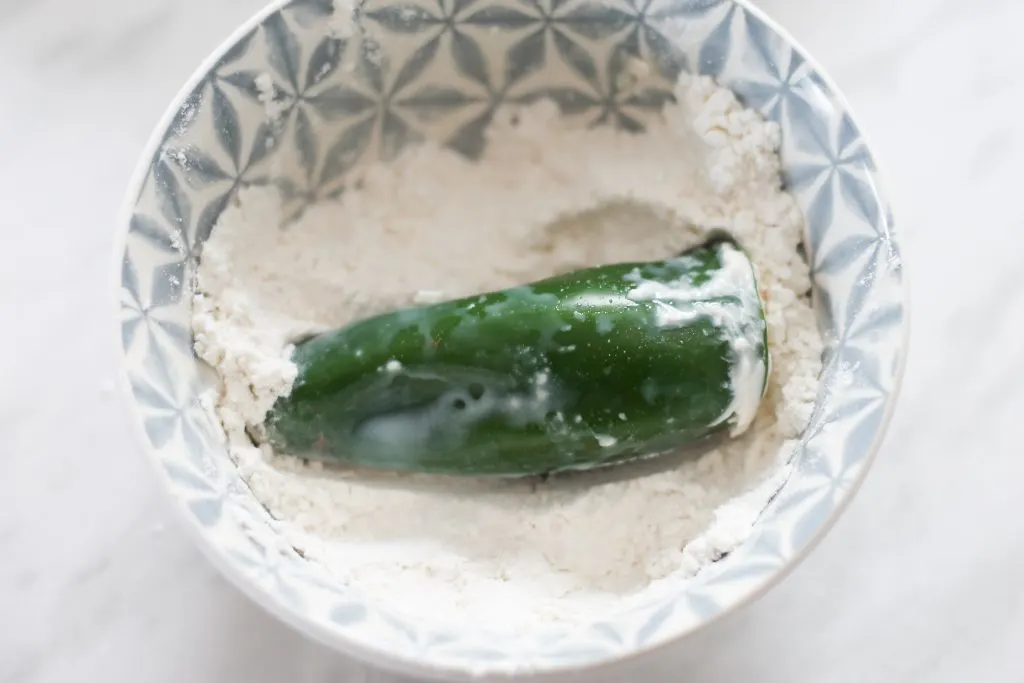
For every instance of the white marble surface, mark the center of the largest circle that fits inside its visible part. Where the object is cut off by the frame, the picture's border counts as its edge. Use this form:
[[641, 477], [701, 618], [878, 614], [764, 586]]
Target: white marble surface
[[920, 581]]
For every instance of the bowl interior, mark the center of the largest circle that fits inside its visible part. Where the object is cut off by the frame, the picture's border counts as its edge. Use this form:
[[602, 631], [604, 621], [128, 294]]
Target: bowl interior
[[350, 92]]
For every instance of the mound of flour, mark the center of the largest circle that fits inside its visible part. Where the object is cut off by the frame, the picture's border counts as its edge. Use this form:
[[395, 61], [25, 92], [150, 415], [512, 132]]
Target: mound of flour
[[547, 196]]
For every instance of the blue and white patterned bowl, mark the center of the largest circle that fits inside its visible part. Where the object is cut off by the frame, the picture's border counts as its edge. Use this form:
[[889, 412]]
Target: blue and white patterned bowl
[[445, 65]]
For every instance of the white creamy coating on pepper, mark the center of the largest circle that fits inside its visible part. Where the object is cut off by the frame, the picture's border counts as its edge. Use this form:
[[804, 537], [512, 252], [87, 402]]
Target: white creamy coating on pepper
[[681, 302], [457, 410]]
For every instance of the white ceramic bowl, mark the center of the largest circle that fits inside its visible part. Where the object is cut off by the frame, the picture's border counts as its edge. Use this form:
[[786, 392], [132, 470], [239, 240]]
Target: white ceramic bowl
[[215, 138]]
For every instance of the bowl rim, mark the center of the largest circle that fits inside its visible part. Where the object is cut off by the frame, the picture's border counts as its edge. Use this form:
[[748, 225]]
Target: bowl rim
[[388, 660]]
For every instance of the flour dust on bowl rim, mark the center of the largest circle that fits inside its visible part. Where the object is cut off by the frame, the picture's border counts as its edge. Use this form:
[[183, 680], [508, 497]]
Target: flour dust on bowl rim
[[360, 88]]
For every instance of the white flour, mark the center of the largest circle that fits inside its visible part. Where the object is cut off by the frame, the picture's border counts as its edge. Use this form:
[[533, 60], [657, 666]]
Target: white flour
[[547, 197]]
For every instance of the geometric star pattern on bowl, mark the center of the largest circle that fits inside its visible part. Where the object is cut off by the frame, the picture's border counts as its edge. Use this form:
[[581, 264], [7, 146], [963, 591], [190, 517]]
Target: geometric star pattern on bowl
[[437, 69]]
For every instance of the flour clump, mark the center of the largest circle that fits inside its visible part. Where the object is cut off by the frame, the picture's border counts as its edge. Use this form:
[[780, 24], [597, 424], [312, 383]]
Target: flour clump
[[547, 196]]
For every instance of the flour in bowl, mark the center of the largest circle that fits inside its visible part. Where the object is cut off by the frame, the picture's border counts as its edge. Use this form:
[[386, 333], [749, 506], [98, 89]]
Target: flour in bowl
[[548, 196]]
